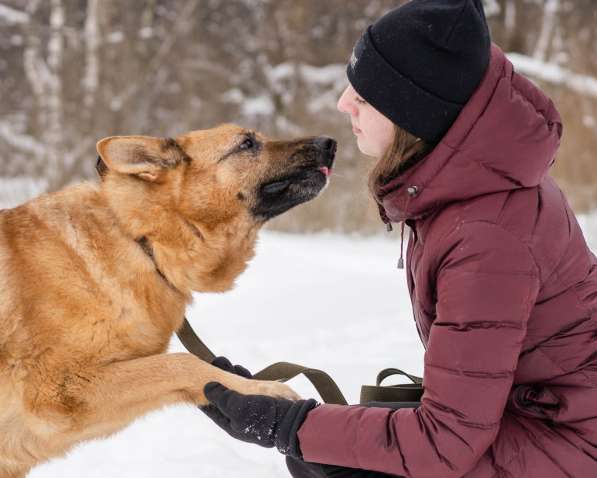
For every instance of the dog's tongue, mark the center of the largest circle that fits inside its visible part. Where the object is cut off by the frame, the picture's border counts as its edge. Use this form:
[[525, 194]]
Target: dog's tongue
[[325, 170]]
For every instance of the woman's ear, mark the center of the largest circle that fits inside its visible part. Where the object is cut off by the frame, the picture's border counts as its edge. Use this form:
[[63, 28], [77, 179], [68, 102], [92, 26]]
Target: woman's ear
[[143, 156]]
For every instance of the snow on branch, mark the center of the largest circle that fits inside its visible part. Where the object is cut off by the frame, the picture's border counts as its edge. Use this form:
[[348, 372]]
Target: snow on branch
[[492, 8], [22, 142], [12, 16], [552, 73]]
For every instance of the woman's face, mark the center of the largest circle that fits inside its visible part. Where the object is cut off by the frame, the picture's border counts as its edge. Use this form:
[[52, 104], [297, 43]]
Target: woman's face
[[374, 132]]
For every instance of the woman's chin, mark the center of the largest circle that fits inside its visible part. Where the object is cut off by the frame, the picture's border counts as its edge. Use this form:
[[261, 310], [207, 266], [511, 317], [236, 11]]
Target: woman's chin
[[367, 149]]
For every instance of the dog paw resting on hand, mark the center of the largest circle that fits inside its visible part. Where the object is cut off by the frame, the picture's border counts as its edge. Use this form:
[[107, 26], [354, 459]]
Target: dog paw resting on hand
[[263, 420]]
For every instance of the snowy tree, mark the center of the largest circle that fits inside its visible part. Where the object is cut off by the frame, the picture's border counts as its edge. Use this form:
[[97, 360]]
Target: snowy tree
[[74, 71]]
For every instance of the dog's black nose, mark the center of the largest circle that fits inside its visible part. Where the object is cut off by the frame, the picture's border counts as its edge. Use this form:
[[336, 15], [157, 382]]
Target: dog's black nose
[[325, 143]]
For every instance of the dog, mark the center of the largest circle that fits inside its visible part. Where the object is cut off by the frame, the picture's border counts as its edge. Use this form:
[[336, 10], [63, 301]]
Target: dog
[[94, 280]]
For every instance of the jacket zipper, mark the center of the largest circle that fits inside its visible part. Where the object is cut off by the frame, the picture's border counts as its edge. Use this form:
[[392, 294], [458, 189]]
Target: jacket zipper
[[409, 256]]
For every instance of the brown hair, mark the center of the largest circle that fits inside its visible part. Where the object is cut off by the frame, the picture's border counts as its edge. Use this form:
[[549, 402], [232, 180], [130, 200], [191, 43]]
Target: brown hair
[[405, 151]]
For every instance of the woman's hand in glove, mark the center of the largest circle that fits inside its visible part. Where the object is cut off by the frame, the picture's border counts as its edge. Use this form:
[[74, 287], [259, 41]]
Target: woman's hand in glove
[[266, 421], [211, 410]]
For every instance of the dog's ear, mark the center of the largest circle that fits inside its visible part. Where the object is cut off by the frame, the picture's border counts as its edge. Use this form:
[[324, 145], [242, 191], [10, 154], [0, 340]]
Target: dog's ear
[[143, 156]]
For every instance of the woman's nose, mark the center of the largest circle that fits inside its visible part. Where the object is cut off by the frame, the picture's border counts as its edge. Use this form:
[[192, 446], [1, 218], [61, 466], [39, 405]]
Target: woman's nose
[[344, 104]]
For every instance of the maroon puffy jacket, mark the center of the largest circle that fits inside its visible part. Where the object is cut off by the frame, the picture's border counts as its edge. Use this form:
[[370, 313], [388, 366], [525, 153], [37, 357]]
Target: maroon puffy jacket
[[504, 292]]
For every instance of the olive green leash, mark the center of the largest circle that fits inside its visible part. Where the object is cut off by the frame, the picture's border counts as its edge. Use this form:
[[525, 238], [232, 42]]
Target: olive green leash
[[323, 383]]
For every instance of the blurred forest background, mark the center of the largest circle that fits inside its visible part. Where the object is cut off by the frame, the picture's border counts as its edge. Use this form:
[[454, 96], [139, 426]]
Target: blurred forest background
[[74, 71]]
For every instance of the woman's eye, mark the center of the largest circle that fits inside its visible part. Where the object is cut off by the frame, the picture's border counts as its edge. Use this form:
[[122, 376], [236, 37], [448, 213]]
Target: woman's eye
[[247, 144], [360, 101]]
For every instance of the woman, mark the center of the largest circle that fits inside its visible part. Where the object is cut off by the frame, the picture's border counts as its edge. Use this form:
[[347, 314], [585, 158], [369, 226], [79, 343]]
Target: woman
[[504, 287]]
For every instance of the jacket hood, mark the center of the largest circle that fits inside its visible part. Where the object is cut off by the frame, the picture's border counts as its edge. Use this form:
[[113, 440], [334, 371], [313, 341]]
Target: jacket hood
[[506, 137]]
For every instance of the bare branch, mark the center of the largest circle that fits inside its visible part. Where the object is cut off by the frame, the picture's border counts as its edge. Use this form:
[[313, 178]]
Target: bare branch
[[92, 41], [510, 17], [549, 19], [185, 24]]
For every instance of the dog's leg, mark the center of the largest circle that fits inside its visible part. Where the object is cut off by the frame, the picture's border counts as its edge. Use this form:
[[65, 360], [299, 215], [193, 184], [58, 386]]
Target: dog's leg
[[116, 394], [21, 473]]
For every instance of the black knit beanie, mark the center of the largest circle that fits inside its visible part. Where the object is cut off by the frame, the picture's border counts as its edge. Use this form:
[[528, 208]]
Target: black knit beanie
[[420, 63]]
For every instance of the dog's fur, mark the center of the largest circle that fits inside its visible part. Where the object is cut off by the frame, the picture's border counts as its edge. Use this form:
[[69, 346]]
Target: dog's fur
[[94, 280]]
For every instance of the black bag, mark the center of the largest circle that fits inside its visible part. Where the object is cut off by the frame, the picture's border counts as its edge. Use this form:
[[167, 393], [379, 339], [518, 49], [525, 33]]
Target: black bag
[[404, 395]]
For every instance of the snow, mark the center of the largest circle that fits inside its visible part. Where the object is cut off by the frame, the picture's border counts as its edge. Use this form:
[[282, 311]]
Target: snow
[[333, 302], [492, 8], [314, 75], [280, 72], [589, 121], [588, 223], [552, 73], [12, 16], [23, 142], [115, 37], [260, 105], [326, 74]]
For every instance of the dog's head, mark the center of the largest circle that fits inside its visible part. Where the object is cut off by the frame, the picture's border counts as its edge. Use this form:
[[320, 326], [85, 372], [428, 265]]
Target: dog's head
[[226, 180], [225, 171]]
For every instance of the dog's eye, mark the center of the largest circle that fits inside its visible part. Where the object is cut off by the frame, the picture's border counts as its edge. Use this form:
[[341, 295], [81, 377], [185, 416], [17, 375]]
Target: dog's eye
[[248, 143]]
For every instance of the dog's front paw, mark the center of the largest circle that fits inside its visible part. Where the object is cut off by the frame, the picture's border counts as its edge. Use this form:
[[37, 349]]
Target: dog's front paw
[[274, 389]]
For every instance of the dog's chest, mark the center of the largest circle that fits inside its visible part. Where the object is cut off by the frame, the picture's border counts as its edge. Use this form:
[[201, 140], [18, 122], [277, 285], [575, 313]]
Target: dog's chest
[[138, 319]]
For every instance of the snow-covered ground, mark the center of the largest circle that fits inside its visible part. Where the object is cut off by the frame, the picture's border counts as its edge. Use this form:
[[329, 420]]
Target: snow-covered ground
[[327, 301]]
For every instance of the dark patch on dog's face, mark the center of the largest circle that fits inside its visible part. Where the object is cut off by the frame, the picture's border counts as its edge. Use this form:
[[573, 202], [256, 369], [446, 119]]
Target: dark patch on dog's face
[[298, 178], [171, 148], [169, 157], [101, 167]]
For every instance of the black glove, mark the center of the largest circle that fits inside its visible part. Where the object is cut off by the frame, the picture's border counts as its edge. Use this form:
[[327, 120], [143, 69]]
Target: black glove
[[225, 364], [266, 421], [212, 411]]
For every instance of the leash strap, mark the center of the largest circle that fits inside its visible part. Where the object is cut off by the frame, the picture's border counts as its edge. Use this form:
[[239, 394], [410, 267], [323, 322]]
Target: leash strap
[[323, 383], [388, 372], [193, 343], [281, 371]]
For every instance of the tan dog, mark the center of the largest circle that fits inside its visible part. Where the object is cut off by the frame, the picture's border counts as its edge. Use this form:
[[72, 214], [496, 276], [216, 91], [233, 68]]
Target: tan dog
[[94, 280]]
